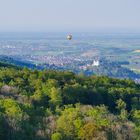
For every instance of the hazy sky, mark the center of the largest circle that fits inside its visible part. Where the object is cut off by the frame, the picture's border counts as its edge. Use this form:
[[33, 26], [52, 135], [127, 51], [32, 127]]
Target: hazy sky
[[69, 15]]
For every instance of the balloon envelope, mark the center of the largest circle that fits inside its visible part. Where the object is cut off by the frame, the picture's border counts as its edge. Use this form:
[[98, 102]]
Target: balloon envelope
[[69, 37]]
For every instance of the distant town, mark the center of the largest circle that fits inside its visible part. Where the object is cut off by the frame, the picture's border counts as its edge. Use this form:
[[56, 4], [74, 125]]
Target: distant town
[[90, 54]]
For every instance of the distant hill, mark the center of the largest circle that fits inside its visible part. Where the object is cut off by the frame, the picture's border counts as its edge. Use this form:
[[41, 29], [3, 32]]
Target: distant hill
[[12, 62], [7, 65]]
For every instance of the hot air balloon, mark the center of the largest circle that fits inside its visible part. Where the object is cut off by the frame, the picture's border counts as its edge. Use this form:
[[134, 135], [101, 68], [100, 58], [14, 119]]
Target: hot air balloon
[[69, 37]]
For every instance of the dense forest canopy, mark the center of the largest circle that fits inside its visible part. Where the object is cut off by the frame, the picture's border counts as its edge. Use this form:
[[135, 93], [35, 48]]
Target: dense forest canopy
[[59, 105]]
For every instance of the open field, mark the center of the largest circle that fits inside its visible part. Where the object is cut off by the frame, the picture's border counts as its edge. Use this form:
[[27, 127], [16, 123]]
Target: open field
[[137, 51]]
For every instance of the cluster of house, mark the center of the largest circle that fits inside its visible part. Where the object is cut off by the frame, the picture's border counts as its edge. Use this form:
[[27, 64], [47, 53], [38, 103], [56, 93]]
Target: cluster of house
[[96, 63]]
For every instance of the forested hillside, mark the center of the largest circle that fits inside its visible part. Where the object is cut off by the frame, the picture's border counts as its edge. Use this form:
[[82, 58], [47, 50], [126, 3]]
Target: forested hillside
[[54, 105]]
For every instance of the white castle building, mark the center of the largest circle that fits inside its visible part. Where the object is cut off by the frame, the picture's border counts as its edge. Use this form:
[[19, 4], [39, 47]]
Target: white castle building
[[96, 63]]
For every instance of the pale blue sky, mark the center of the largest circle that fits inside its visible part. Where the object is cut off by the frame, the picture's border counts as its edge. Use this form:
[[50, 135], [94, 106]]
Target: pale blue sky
[[69, 15]]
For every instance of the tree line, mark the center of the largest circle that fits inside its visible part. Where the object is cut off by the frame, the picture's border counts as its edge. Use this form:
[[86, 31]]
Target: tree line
[[60, 105]]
